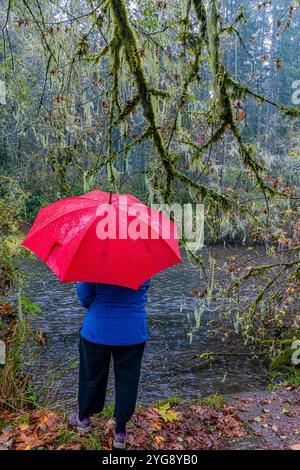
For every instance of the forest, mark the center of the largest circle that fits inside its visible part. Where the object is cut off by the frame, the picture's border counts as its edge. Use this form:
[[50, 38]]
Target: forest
[[173, 102]]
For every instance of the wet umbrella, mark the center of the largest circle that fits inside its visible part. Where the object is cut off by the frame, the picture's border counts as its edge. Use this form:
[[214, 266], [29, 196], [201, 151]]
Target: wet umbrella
[[104, 237]]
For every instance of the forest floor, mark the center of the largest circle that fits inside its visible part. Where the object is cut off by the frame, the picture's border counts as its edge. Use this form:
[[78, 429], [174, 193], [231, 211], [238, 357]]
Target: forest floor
[[259, 420]]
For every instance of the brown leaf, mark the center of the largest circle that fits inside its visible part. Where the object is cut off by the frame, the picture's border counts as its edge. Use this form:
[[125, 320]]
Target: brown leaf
[[6, 442], [47, 421], [108, 426], [107, 445], [295, 446], [27, 442], [155, 426], [240, 116], [71, 446], [37, 414]]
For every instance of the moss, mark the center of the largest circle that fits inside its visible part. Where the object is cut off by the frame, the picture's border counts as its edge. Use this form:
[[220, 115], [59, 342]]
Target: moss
[[200, 9], [204, 191], [292, 113], [214, 45], [66, 437], [129, 107], [283, 371], [116, 54], [284, 358], [226, 90], [133, 59]]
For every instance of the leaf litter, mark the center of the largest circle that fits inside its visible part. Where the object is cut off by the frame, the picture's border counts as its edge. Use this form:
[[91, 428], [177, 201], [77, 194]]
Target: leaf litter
[[260, 420]]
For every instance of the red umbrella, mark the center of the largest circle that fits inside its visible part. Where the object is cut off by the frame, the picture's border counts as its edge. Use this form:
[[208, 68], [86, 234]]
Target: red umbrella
[[104, 237]]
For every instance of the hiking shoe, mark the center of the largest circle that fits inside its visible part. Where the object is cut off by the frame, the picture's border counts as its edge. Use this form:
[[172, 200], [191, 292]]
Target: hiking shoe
[[84, 425], [119, 441]]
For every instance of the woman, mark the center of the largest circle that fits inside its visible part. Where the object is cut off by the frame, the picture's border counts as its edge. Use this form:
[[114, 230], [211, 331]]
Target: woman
[[115, 324]]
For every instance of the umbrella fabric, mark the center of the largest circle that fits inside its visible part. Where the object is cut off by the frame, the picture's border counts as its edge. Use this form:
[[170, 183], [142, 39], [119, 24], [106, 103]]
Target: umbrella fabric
[[65, 235]]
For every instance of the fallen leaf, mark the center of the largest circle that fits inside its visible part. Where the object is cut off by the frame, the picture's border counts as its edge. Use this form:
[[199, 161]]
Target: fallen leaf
[[155, 426], [159, 439], [287, 412], [295, 446], [24, 427], [266, 410], [27, 442], [71, 446], [167, 414]]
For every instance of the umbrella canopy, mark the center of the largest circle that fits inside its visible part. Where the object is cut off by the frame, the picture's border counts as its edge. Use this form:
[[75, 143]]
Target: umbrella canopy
[[103, 237]]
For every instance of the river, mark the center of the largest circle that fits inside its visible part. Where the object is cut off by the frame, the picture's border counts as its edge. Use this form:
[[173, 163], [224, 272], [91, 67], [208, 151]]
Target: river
[[169, 366]]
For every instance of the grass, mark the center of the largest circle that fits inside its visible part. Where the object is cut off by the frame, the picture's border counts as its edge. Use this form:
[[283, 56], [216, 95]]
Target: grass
[[14, 384], [92, 443], [22, 419], [287, 376], [67, 437], [215, 401], [108, 411], [172, 400]]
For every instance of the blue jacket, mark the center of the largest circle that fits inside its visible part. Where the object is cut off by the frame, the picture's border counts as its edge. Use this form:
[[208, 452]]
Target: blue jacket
[[116, 315]]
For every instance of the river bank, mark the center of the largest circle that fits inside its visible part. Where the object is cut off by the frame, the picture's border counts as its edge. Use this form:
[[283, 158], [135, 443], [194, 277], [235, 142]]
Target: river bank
[[260, 420]]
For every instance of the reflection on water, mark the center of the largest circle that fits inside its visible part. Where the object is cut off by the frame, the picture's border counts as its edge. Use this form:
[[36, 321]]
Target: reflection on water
[[168, 367]]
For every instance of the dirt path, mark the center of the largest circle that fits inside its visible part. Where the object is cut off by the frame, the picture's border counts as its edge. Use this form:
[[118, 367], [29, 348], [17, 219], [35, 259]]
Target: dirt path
[[271, 419]]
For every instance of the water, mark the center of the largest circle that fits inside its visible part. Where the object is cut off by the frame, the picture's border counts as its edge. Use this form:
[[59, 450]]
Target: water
[[169, 367]]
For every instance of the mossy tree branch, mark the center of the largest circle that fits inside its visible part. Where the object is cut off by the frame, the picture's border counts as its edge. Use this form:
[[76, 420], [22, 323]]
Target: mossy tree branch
[[133, 59]]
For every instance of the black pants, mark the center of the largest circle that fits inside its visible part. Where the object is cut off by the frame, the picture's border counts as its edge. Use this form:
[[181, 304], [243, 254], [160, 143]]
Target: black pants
[[93, 376]]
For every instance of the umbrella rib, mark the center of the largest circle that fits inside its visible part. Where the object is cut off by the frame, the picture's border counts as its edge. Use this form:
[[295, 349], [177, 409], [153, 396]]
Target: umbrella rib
[[79, 243]]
